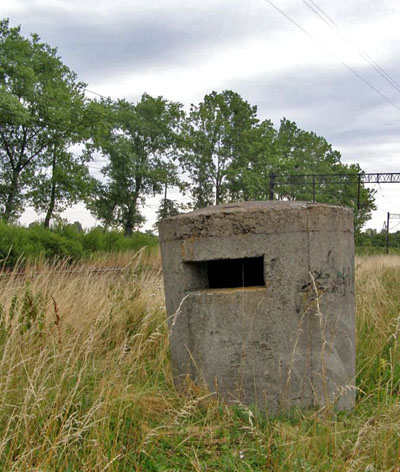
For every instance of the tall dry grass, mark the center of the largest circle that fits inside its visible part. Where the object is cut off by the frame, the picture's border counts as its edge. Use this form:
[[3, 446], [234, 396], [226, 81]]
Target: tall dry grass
[[85, 382]]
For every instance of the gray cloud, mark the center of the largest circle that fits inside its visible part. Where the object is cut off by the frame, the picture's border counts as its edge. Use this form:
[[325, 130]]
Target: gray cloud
[[179, 34], [331, 102], [307, 89], [365, 137], [334, 104], [97, 46]]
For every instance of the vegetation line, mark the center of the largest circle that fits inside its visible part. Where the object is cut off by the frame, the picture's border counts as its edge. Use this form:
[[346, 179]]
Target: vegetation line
[[219, 151]]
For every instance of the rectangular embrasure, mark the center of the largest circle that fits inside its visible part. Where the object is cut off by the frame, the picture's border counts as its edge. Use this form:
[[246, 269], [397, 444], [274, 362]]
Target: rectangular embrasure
[[231, 273]]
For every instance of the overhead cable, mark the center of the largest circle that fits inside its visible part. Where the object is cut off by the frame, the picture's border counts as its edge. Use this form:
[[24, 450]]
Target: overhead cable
[[331, 23], [359, 76]]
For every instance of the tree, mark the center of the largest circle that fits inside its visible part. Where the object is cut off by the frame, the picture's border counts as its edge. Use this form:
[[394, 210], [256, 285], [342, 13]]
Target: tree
[[301, 152], [139, 142], [41, 105], [167, 208], [218, 133], [230, 155], [64, 182]]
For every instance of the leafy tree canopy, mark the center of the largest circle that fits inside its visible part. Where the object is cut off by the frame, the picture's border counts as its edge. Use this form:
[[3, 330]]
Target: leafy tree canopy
[[64, 181], [302, 152], [139, 141], [41, 104], [224, 150], [229, 155], [217, 133]]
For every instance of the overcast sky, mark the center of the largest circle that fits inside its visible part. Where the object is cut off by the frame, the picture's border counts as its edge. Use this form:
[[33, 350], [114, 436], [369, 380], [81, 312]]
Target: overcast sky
[[183, 49]]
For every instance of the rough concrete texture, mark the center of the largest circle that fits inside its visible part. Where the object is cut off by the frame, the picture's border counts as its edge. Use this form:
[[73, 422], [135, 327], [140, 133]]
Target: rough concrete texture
[[290, 343]]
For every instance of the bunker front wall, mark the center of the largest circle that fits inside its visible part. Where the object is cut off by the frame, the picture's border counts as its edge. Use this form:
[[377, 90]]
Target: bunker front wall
[[288, 343]]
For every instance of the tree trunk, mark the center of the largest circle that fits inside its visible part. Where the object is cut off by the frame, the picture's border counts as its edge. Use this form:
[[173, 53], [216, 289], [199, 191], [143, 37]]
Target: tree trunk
[[52, 202], [130, 218], [217, 198], [50, 209], [217, 184], [128, 230], [9, 206]]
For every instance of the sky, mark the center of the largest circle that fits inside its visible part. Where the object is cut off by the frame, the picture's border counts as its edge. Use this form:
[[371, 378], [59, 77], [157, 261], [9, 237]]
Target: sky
[[277, 54]]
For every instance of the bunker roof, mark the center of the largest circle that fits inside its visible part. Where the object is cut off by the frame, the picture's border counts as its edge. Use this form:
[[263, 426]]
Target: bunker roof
[[257, 217]]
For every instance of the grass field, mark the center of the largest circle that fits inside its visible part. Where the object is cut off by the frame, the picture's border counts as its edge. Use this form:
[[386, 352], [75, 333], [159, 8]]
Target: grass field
[[85, 382]]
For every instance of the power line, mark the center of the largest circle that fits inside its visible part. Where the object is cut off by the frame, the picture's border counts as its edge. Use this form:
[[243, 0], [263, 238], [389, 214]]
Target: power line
[[334, 26], [395, 226], [45, 122], [54, 126], [83, 83], [359, 76], [382, 194], [41, 122], [99, 95], [48, 122]]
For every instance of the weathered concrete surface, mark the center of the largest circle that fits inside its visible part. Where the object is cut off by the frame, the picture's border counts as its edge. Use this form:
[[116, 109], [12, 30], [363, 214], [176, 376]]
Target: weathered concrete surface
[[290, 343]]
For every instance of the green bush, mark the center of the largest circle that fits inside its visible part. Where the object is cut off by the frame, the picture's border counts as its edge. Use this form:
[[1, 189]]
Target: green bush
[[93, 240], [64, 241]]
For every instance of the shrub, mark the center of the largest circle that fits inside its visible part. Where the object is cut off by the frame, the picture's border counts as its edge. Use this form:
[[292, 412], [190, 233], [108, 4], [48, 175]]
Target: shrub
[[64, 241]]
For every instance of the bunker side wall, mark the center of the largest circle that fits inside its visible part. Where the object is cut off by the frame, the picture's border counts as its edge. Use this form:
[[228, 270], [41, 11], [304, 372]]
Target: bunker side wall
[[333, 322], [288, 344]]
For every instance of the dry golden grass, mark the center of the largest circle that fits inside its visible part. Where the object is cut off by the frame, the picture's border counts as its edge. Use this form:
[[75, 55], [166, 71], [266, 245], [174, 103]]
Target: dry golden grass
[[85, 382]]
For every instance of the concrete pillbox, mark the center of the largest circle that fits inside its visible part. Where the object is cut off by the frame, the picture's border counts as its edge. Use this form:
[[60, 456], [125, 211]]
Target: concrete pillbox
[[260, 302]]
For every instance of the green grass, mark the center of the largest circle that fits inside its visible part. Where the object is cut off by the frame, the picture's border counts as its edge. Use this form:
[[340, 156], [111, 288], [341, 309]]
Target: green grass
[[86, 383], [376, 250]]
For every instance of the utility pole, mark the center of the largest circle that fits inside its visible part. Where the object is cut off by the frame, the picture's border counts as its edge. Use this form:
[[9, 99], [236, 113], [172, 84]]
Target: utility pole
[[387, 232], [390, 216]]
